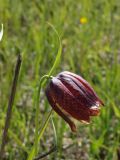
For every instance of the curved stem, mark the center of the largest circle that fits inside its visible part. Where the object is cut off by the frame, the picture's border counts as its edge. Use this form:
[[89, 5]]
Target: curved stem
[[42, 81], [54, 148], [42, 84]]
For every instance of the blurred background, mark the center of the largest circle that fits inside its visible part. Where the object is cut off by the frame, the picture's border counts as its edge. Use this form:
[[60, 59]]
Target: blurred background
[[90, 36]]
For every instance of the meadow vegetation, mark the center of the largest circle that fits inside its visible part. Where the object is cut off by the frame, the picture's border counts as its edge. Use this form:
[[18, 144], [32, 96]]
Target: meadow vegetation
[[90, 48]]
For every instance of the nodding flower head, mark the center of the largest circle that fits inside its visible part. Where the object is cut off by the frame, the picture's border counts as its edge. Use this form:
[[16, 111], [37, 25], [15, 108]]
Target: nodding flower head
[[71, 96]]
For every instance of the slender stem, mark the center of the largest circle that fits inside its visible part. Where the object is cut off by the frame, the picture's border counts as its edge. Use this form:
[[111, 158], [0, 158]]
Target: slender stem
[[32, 152], [45, 125], [10, 105], [42, 81], [42, 84]]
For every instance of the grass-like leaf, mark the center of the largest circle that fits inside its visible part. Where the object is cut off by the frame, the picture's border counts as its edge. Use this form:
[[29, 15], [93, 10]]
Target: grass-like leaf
[[1, 33]]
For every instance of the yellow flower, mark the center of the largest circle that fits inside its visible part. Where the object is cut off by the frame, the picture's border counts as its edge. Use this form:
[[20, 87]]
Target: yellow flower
[[83, 20]]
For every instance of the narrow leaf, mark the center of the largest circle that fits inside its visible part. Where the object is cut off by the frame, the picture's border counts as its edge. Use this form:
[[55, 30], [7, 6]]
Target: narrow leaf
[[1, 33]]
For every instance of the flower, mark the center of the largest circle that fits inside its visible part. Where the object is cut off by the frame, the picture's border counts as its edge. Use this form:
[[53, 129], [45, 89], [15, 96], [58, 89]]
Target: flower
[[83, 20], [72, 97]]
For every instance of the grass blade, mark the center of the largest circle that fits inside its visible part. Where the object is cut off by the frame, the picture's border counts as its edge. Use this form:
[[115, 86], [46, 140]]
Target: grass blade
[[1, 33]]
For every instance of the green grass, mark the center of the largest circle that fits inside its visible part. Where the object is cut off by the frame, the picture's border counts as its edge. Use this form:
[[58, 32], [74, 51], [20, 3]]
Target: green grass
[[91, 50]]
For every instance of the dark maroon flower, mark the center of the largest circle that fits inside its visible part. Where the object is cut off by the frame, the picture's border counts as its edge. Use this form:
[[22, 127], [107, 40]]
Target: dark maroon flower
[[72, 96]]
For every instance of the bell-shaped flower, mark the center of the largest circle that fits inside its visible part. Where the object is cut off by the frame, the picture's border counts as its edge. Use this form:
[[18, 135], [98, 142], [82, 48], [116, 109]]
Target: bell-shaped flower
[[71, 96]]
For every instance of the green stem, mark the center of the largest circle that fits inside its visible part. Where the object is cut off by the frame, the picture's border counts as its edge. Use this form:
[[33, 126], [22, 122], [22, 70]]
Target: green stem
[[32, 152], [42, 81], [42, 84]]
